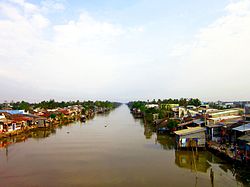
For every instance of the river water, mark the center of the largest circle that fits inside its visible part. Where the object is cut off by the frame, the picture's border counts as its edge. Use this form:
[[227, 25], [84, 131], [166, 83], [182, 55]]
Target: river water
[[110, 150]]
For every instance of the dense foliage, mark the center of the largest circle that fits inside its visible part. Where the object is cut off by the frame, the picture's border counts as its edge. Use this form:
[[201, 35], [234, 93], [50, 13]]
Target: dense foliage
[[51, 104], [163, 111]]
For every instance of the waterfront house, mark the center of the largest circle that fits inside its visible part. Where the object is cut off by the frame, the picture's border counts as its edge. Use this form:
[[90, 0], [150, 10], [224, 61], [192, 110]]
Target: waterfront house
[[215, 120], [19, 121], [13, 111], [227, 132], [2, 119], [244, 145], [214, 132], [41, 122], [191, 137], [219, 128], [184, 112], [241, 130], [5, 122], [191, 122], [161, 125], [37, 121], [223, 113]]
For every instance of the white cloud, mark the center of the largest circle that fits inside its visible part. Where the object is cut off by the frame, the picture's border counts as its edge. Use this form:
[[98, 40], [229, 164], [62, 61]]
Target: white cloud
[[86, 29], [50, 5], [219, 59], [27, 7], [39, 21], [88, 58], [239, 8], [10, 12], [77, 59]]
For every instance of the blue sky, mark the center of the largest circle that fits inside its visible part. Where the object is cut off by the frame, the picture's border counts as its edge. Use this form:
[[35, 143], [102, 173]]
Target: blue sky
[[124, 50]]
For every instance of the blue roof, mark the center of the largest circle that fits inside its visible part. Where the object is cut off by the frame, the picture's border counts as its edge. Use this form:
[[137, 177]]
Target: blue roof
[[199, 121], [13, 111], [243, 128]]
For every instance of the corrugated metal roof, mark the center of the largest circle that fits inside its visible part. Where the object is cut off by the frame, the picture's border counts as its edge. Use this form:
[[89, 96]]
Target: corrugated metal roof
[[243, 128], [226, 117], [245, 138], [185, 123], [223, 111], [215, 125], [199, 121], [13, 111], [190, 130]]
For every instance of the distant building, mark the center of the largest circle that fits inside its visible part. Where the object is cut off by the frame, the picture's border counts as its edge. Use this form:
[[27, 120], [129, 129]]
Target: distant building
[[152, 106], [13, 111], [204, 106], [215, 120], [221, 113], [183, 112], [169, 106], [229, 105], [2, 120], [247, 109]]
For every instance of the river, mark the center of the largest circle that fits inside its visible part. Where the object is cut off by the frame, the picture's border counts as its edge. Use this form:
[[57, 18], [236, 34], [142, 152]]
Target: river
[[110, 150]]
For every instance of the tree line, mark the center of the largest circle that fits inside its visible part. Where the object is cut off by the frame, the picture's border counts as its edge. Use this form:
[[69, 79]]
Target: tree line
[[51, 104]]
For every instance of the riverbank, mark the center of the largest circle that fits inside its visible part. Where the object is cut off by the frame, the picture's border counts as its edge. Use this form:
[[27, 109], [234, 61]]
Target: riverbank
[[23, 134], [222, 131], [125, 153], [228, 153]]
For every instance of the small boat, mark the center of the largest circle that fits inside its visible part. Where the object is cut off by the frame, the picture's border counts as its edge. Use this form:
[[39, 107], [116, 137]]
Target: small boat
[[83, 118], [163, 130]]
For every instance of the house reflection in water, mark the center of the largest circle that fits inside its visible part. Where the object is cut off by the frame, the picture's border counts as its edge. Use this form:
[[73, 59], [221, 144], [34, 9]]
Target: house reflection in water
[[148, 131], [166, 142], [36, 134], [193, 161]]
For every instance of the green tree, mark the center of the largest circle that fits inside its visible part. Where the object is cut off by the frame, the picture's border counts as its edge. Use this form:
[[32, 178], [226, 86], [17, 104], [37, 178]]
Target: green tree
[[183, 102], [195, 102], [24, 106], [172, 124]]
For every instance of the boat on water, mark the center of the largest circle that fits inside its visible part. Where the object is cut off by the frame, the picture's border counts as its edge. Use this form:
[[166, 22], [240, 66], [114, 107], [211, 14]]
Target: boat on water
[[83, 118]]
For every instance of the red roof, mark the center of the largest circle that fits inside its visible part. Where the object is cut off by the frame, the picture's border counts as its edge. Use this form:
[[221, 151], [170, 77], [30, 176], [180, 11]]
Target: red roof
[[65, 112], [46, 115], [20, 117]]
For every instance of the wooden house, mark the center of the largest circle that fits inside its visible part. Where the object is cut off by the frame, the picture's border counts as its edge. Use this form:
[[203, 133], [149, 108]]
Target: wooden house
[[244, 146], [191, 137], [241, 130]]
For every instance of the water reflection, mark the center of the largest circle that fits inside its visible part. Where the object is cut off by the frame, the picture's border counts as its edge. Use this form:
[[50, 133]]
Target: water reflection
[[192, 161], [104, 114], [166, 142], [126, 153], [36, 134], [39, 133], [148, 132], [241, 173], [201, 161]]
